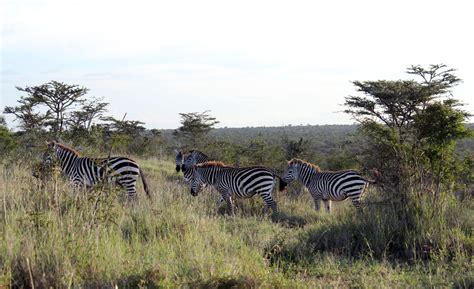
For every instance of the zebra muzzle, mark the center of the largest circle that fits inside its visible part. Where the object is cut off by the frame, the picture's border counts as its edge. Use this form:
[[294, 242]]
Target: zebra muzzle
[[178, 168]]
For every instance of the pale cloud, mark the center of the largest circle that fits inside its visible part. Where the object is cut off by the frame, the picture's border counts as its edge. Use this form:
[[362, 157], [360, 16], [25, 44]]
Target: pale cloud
[[250, 62]]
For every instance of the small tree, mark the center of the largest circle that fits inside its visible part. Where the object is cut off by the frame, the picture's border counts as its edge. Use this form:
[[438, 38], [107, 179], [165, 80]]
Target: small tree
[[89, 112], [194, 128], [407, 124], [124, 134], [58, 97], [296, 149]]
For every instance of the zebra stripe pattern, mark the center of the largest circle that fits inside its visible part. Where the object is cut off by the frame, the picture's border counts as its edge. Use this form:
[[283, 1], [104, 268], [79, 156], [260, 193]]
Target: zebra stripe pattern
[[235, 182], [87, 172], [185, 161], [327, 186]]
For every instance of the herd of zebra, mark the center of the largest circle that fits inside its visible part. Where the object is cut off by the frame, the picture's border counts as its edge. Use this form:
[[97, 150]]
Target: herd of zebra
[[199, 170]]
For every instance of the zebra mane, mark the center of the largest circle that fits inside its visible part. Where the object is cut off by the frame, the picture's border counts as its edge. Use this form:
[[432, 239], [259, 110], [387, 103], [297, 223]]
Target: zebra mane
[[211, 164], [64, 147], [305, 163]]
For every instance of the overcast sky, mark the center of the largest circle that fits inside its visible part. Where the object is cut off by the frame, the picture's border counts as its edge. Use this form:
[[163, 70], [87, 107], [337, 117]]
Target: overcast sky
[[251, 63]]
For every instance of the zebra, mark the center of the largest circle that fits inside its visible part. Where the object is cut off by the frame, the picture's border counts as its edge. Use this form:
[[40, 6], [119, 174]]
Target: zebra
[[235, 182], [186, 161], [327, 186], [86, 172]]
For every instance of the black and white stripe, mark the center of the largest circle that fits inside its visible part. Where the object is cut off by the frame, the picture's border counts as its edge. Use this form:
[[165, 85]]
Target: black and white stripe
[[232, 182], [327, 186], [184, 161], [87, 172]]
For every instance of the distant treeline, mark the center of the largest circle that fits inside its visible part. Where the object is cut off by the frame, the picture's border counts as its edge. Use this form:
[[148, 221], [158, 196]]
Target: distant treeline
[[329, 134], [325, 139]]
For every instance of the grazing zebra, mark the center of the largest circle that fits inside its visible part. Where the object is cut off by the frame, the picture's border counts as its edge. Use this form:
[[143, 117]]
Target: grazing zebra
[[186, 161], [45, 171], [327, 186], [235, 182], [84, 171]]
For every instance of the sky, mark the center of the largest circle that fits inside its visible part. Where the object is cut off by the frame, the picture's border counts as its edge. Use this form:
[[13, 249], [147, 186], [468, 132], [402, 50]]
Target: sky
[[250, 63]]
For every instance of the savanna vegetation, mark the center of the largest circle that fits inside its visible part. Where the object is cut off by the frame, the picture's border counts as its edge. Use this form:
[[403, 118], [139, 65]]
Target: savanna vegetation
[[415, 229]]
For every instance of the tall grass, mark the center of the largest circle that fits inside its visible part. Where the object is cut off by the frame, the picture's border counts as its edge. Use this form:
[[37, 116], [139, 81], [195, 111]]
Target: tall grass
[[55, 237]]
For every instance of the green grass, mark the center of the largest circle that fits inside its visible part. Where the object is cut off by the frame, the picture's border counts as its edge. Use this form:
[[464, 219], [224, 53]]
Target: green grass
[[54, 237]]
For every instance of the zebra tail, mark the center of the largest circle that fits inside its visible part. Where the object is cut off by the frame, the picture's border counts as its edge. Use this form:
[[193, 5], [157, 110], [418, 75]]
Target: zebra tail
[[282, 184], [145, 184]]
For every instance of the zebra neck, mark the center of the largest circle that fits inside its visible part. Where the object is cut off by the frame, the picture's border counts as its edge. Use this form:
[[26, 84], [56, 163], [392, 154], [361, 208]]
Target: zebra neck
[[67, 160], [199, 157], [211, 175], [307, 175]]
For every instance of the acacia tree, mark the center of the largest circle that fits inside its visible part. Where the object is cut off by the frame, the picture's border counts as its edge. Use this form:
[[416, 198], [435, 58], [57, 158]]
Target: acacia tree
[[411, 123], [30, 120], [89, 112], [194, 128], [58, 98], [296, 149], [124, 135]]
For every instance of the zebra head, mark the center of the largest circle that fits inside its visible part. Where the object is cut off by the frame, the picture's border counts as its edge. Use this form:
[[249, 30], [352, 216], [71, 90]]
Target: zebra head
[[188, 162], [179, 160], [197, 182], [48, 161], [50, 155], [292, 172]]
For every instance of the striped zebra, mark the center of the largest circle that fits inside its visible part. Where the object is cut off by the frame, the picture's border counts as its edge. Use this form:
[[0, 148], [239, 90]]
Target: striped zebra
[[232, 182], [327, 186], [86, 172], [185, 161]]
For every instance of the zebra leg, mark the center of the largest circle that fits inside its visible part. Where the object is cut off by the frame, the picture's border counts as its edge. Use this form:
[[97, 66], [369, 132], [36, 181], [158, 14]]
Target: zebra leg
[[270, 203], [317, 204], [132, 195], [356, 203], [327, 205], [230, 203], [355, 198], [130, 186]]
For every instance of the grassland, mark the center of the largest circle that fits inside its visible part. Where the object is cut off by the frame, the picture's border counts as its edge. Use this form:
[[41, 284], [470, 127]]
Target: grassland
[[53, 237]]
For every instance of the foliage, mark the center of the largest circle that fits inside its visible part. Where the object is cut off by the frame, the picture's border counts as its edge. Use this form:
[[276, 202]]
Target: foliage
[[30, 121], [194, 128], [124, 135], [296, 149], [65, 112], [411, 128], [89, 112], [7, 139], [58, 98]]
